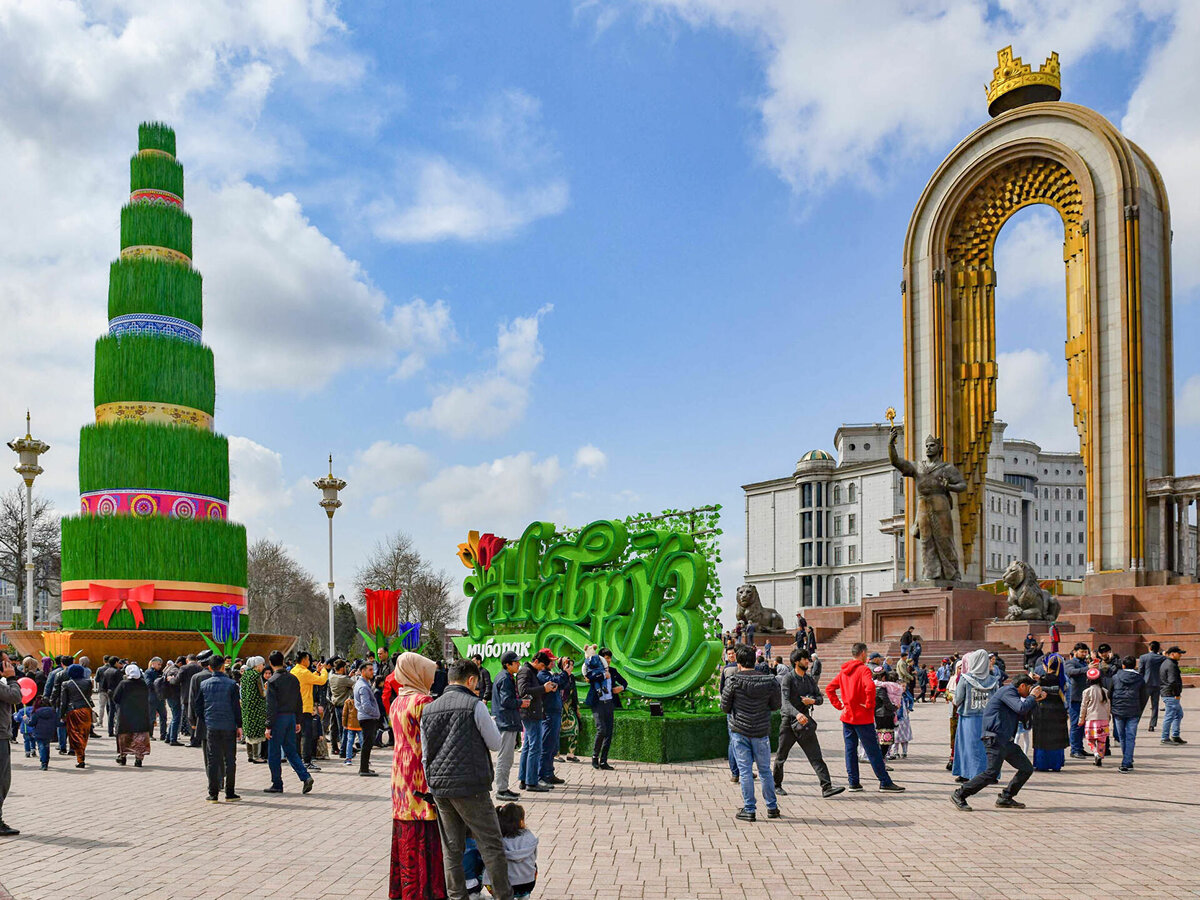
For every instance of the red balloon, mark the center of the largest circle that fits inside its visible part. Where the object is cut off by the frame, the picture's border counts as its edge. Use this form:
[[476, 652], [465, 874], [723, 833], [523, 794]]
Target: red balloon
[[29, 689]]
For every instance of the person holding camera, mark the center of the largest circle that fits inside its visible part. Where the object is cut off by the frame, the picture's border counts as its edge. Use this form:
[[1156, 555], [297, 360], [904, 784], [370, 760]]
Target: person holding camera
[[799, 694], [1007, 707], [530, 687]]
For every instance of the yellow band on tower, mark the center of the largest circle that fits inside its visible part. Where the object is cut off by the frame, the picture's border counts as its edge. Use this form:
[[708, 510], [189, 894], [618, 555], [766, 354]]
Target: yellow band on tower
[[164, 253], [152, 413]]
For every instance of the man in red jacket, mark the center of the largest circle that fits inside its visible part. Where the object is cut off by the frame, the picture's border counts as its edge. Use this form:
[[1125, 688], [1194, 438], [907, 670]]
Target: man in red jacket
[[857, 703]]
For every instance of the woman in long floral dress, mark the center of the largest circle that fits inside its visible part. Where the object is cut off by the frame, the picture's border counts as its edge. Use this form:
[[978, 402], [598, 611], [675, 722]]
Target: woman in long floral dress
[[254, 708], [570, 714], [416, 870]]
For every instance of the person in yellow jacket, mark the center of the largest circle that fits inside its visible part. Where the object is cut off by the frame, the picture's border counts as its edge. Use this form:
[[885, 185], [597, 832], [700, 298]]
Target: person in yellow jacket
[[308, 722]]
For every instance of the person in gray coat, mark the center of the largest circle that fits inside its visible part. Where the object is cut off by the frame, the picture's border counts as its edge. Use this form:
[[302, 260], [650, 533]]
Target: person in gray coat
[[1148, 667], [10, 699]]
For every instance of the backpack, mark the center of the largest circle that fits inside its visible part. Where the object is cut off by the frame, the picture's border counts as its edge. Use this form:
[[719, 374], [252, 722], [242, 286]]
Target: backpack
[[885, 709]]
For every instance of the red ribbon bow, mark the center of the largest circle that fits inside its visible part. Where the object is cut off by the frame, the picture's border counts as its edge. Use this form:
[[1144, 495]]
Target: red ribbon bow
[[114, 598]]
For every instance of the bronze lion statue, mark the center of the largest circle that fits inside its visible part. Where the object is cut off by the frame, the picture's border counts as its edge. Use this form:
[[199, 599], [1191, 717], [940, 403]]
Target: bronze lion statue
[[1027, 601], [750, 610]]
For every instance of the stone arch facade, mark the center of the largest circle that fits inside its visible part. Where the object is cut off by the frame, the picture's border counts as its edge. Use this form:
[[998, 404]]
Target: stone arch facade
[[1116, 254]]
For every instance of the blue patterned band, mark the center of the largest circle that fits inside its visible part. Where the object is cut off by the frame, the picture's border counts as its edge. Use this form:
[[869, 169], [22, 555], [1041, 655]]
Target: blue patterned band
[[144, 323]]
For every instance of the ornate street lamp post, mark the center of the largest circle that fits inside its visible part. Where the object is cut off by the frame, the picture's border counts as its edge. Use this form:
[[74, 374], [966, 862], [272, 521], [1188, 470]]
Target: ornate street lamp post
[[330, 486], [28, 449]]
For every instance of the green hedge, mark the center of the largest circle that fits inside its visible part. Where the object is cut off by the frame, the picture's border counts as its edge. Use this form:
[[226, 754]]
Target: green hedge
[[151, 367], [156, 136], [155, 287], [156, 173], [134, 455], [674, 737], [156, 225], [156, 548], [155, 620]]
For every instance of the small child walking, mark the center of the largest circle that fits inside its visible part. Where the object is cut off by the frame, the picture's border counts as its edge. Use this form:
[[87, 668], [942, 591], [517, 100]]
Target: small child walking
[[45, 729], [1095, 708], [351, 728], [520, 849], [23, 717]]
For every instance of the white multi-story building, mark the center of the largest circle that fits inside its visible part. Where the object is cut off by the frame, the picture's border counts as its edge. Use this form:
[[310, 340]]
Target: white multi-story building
[[832, 532], [8, 599]]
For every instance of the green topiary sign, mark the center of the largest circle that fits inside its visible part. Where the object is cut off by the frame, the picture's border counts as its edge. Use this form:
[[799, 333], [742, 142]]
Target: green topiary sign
[[638, 594]]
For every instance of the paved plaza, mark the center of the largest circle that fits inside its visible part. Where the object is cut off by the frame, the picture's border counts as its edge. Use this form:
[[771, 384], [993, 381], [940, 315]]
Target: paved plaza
[[641, 832]]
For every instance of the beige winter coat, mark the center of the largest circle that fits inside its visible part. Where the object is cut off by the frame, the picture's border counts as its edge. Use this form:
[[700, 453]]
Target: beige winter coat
[[1095, 705]]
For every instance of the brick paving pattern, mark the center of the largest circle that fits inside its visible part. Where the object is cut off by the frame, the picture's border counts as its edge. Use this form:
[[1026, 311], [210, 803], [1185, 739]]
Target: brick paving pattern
[[643, 831]]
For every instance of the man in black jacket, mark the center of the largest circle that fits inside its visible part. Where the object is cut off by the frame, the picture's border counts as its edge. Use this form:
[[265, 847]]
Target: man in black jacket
[[506, 709], [1148, 666], [1129, 695], [219, 706], [531, 689], [283, 724], [186, 673], [748, 699], [198, 727], [106, 684], [728, 669], [457, 734], [799, 694], [1171, 682], [485, 680]]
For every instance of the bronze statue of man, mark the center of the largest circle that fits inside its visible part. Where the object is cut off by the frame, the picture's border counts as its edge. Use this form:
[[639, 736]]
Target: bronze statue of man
[[936, 480]]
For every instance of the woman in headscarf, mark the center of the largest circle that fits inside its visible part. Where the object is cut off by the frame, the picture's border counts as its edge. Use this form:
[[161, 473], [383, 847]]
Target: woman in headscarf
[[254, 708], [1033, 651], [75, 709], [416, 870], [570, 716], [131, 700], [971, 695], [1050, 733]]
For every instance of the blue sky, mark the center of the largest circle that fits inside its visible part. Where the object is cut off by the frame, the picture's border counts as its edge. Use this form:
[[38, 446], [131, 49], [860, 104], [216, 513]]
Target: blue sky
[[545, 260]]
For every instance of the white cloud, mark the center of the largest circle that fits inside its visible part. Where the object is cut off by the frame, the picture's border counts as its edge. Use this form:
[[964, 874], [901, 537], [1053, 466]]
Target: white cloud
[[258, 490], [1029, 259], [385, 467], [1187, 407], [285, 307], [436, 198], [591, 459], [1032, 398], [496, 496], [1164, 118], [487, 404], [850, 85]]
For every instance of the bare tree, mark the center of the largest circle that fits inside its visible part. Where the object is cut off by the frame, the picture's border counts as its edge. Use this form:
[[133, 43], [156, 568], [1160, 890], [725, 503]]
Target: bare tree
[[395, 564], [47, 557], [283, 598]]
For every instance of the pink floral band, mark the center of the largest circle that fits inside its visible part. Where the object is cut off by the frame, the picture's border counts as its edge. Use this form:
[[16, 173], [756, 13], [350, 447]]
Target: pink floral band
[[153, 503]]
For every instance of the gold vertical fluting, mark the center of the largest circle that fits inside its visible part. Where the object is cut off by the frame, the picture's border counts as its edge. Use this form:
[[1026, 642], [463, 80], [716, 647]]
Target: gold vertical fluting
[[1136, 461], [1076, 262]]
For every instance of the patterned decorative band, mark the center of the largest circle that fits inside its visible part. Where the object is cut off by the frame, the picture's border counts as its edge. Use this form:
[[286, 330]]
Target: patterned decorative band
[[163, 253], [192, 596], [153, 503], [154, 195], [147, 323], [152, 152], [152, 413]]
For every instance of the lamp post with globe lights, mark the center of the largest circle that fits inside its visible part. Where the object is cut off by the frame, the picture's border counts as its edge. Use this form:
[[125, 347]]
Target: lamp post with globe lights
[[28, 449], [330, 486]]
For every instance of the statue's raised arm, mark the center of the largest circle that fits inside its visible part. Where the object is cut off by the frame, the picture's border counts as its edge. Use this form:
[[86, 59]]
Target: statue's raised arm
[[898, 461]]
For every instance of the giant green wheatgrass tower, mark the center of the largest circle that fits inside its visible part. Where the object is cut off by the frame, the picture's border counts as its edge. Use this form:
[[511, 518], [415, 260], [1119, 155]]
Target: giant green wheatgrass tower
[[152, 547]]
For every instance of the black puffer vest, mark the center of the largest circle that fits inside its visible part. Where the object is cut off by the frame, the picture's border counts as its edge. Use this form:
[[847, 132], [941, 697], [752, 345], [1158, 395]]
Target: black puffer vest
[[459, 764]]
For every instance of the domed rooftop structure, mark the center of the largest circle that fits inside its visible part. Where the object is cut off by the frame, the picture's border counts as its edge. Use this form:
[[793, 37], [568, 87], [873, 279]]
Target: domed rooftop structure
[[812, 455]]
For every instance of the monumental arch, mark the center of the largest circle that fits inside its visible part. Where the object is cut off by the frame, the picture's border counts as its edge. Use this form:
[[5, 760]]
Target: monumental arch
[[1117, 260]]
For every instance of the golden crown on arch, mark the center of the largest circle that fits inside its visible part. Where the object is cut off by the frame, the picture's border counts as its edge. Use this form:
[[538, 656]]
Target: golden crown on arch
[[1011, 74]]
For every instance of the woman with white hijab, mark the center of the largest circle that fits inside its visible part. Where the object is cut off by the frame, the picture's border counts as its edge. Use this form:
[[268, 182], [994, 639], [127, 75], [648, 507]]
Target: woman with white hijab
[[131, 700], [971, 695]]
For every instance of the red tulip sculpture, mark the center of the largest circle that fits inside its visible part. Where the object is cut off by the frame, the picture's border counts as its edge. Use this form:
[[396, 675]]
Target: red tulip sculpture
[[383, 615]]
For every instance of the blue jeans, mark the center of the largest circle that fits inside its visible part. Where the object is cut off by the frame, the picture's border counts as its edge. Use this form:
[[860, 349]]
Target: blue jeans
[[348, 739], [62, 736], [551, 728], [1172, 716], [1076, 730], [283, 743], [531, 753], [158, 708], [750, 752], [733, 763], [43, 749], [1125, 727], [176, 712], [30, 743], [864, 734]]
